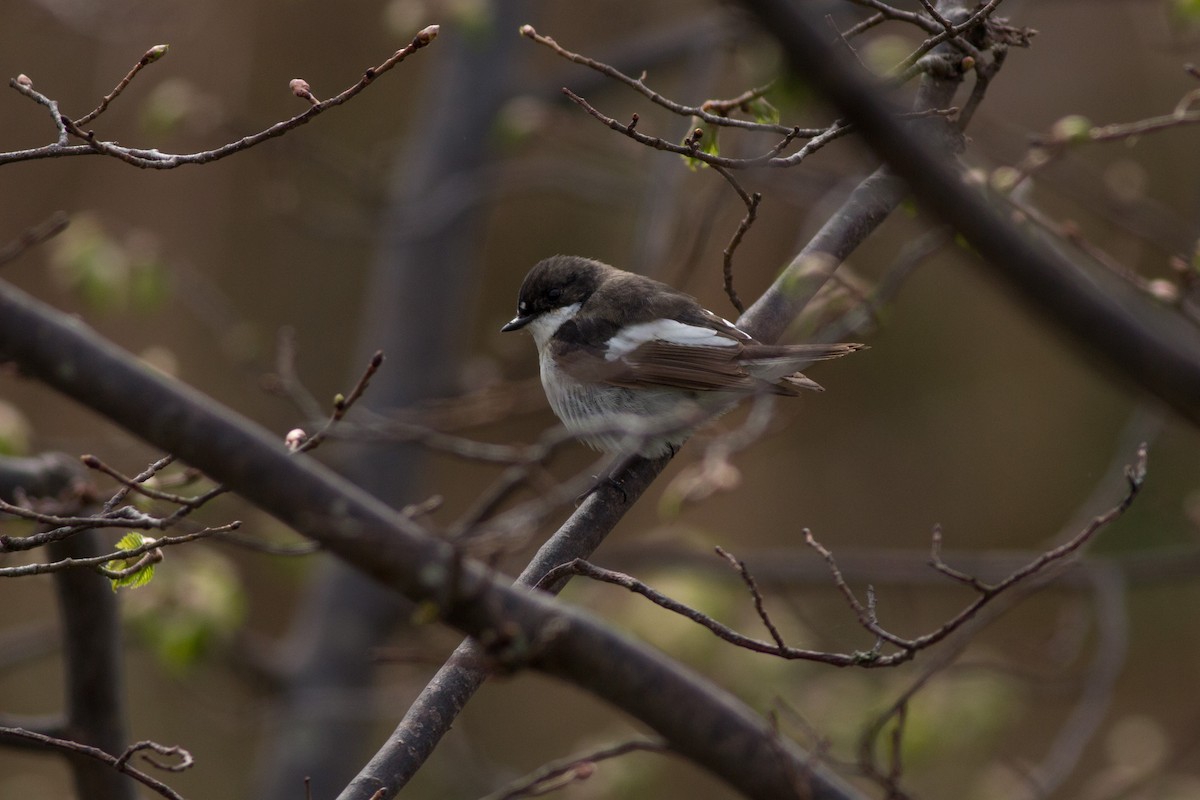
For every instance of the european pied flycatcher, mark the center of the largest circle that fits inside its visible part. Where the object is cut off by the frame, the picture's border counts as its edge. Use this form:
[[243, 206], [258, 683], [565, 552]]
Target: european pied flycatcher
[[631, 365]]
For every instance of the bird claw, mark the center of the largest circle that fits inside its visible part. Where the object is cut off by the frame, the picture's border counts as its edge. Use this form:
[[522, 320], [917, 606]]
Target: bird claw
[[609, 479], [602, 481]]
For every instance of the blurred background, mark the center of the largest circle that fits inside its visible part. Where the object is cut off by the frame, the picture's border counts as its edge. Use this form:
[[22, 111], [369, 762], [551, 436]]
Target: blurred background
[[405, 220]]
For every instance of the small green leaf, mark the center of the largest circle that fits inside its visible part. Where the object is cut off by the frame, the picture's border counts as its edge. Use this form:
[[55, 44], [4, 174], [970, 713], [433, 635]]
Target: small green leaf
[[131, 541], [764, 113]]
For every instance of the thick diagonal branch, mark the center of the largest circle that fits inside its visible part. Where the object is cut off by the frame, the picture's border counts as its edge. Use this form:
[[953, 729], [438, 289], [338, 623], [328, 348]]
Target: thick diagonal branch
[[523, 629]]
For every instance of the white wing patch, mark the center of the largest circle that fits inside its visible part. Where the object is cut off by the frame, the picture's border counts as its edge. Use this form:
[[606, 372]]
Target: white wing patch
[[666, 330]]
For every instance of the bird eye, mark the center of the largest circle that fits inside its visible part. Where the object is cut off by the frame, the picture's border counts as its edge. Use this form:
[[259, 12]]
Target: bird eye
[[555, 293]]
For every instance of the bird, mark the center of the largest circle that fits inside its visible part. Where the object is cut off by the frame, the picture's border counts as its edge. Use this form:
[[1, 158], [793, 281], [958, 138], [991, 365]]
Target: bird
[[631, 365]]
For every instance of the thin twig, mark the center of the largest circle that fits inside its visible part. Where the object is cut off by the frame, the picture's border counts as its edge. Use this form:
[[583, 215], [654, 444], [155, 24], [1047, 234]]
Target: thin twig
[[932, 11], [935, 561], [1135, 476], [724, 632], [862, 26], [185, 758], [342, 404], [117, 555], [137, 484], [119, 764], [752, 585], [725, 107], [952, 34], [769, 159], [906, 648], [752, 201], [155, 468], [55, 224], [561, 773], [155, 159], [985, 71], [286, 381], [151, 55], [701, 112]]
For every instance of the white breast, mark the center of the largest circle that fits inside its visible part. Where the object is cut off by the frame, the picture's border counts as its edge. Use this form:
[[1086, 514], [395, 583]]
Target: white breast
[[547, 324], [615, 418]]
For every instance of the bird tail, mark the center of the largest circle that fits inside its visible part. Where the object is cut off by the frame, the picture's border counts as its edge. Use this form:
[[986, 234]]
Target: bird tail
[[780, 365]]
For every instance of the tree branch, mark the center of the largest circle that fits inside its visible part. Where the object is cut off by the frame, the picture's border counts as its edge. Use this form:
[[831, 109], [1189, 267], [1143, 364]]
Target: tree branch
[[517, 629], [1153, 348]]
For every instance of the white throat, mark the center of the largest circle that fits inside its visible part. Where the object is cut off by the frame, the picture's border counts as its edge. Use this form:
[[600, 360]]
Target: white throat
[[546, 325]]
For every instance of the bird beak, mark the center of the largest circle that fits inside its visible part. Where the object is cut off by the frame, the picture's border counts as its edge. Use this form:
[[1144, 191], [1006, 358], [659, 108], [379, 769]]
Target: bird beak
[[516, 323]]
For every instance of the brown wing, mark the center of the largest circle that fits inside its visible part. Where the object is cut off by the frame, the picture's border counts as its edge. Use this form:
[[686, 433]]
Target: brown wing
[[660, 363], [732, 368]]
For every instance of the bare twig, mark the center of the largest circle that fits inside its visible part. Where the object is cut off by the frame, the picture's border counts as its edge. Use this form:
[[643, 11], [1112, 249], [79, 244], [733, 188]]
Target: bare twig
[[150, 56], [286, 380], [152, 470], [724, 632], [768, 159], [119, 764], [128, 517], [907, 648], [98, 562], [752, 201], [561, 773], [1074, 130], [125, 517], [752, 585], [1135, 476], [185, 758], [932, 11], [155, 159], [888, 12], [951, 34], [342, 404], [137, 484], [741, 102], [703, 112], [985, 70], [55, 224]]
